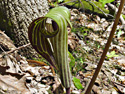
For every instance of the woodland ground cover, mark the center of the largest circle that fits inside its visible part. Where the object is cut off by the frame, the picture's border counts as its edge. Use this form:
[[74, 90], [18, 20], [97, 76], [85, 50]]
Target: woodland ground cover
[[86, 42]]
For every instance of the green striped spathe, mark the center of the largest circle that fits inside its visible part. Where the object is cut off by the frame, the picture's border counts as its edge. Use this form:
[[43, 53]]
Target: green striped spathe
[[54, 51]]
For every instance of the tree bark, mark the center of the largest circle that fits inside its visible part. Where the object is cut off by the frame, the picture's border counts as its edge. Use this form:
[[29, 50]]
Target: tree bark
[[15, 17]]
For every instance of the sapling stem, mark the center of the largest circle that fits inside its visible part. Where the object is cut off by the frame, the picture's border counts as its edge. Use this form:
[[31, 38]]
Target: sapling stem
[[89, 88]]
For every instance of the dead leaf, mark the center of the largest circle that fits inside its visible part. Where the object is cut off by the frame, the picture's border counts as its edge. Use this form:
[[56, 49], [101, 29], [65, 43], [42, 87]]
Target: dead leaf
[[10, 84], [72, 41], [121, 62], [96, 89], [121, 88]]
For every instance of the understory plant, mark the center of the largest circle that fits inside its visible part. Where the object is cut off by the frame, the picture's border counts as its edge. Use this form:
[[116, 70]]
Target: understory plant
[[48, 36]]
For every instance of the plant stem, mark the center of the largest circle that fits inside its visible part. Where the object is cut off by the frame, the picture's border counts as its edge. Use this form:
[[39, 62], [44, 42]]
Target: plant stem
[[88, 90], [67, 90]]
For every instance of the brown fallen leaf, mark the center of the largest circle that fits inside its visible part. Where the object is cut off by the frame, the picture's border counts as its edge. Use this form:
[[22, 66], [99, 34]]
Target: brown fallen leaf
[[120, 87], [5, 42], [89, 74], [96, 89], [121, 62], [36, 63], [73, 41], [11, 84]]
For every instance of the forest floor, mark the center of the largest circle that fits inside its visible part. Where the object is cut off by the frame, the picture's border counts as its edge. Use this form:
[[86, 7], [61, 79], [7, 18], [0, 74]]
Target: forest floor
[[86, 42]]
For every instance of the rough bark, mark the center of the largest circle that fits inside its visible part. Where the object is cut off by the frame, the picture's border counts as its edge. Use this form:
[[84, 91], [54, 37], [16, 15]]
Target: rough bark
[[15, 17]]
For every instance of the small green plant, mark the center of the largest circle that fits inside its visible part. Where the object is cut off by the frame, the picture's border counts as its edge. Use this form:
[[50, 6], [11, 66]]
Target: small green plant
[[77, 83], [79, 65], [60, 1], [82, 29], [55, 3], [72, 61], [119, 33], [97, 44], [105, 1], [73, 30], [112, 54], [76, 62]]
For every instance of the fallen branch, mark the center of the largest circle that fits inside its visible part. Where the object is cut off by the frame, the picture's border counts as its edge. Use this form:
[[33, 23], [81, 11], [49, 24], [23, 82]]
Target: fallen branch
[[83, 6], [18, 48], [14, 49], [116, 9], [99, 9]]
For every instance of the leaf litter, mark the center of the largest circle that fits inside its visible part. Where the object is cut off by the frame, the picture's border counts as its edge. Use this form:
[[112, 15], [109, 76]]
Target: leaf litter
[[21, 76], [111, 79]]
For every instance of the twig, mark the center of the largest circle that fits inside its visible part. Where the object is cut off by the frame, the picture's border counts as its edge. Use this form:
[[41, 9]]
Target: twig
[[2, 49], [110, 78], [67, 2], [81, 3], [75, 2], [18, 48], [118, 84], [99, 9], [89, 88], [115, 9], [91, 3]]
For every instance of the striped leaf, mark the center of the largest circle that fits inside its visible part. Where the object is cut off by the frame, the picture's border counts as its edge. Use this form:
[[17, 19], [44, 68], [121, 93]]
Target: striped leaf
[[48, 36], [40, 43]]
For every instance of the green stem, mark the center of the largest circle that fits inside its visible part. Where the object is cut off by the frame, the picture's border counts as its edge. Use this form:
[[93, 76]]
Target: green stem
[[88, 90]]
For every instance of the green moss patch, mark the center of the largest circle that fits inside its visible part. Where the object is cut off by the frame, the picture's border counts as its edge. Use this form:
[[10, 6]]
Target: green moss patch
[[87, 6]]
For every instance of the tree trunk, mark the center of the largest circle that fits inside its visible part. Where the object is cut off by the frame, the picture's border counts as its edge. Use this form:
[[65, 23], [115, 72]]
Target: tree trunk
[[15, 17]]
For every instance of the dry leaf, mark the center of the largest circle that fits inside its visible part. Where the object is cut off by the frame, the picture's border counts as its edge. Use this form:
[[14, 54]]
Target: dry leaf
[[10, 84]]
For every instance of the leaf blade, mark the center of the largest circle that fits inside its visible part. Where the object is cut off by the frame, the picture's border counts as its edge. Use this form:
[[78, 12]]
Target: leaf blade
[[77, 83]]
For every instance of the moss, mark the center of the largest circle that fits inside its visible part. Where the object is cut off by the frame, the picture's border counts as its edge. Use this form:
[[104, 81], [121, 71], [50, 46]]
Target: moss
[[89, 6], [9, 23], [4, 20], [6, 25]]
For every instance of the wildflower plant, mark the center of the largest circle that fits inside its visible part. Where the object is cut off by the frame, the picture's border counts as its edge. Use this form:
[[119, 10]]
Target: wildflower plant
[[48, 36]]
